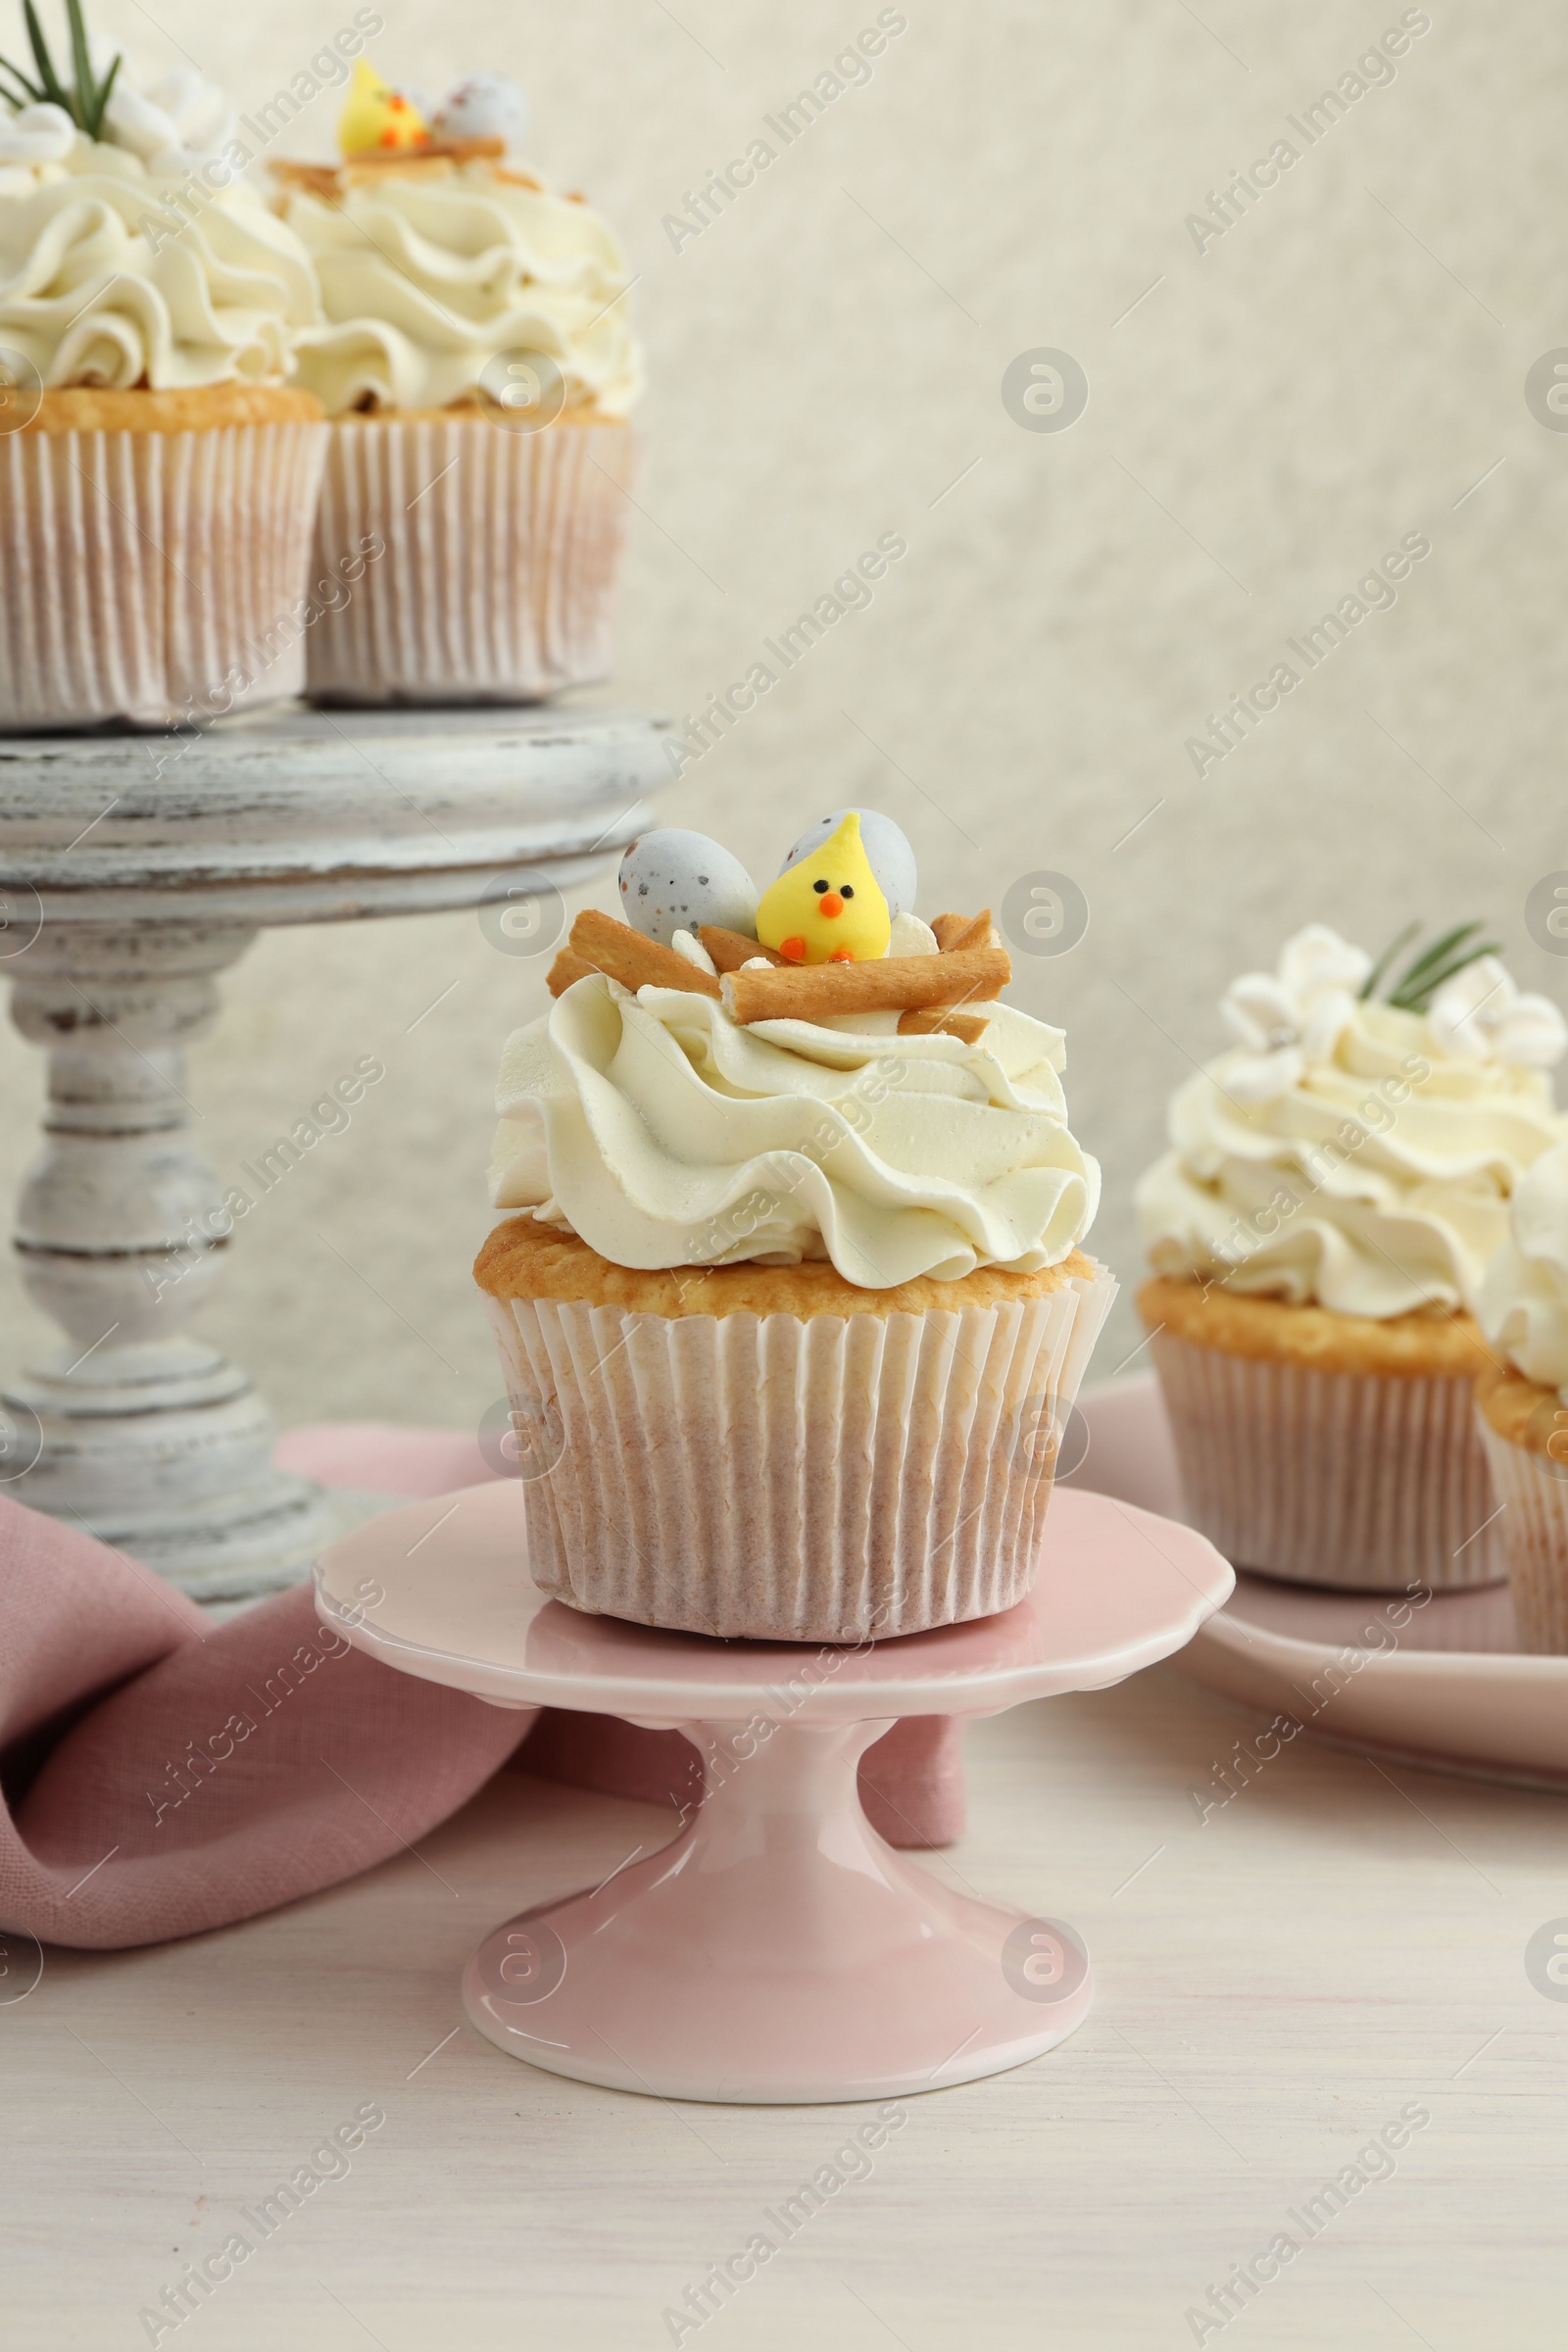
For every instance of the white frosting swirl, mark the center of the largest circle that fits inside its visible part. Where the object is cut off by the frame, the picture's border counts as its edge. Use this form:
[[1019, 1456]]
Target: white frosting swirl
[[1348, 1152], [665, 1134], [425, 275], [1524, 1296], [32, 136], [101, 284], [181, 120]]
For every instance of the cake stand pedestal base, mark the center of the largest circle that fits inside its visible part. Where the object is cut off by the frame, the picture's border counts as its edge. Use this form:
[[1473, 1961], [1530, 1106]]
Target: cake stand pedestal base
[[778, 1951]]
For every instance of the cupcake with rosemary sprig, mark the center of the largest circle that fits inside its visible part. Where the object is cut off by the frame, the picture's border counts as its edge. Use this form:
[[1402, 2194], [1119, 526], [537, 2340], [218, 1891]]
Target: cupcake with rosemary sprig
[[1337, 1182], [479, 367], [1523, 1400], [158, 473]]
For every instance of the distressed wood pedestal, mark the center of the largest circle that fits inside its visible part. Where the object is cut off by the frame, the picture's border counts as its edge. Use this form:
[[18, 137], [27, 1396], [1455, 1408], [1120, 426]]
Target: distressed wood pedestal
[[133, 870]]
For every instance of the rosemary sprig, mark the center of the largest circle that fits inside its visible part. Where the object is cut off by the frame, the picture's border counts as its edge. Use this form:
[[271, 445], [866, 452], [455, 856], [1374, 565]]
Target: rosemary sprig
[[86, 98], [94, 124], [31, 94], [54, 89], [1400, 941], [1426, 973], [82, 64], [1437, 953], [1451, 954]]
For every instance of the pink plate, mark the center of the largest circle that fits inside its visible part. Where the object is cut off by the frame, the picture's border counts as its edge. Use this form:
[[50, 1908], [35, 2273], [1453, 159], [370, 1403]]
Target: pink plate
[[1440, 1684], [777, 1949]]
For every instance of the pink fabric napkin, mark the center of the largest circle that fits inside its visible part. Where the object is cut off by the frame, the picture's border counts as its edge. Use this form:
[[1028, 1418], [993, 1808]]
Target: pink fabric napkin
[[164, 1775]]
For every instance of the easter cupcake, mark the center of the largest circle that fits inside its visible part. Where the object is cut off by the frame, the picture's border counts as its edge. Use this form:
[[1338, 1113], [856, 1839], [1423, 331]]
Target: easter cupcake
[[157, 475], [1523, 1399], [480, 368], [1336, 1183], [796, 1300]]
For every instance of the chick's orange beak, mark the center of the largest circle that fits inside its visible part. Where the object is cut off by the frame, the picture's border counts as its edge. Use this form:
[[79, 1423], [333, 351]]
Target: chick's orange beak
[[830, 904]]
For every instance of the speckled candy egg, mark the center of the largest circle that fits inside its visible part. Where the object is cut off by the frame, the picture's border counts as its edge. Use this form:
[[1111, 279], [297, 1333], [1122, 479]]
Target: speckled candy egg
[[888, 850], [673, 880], [487, 106]]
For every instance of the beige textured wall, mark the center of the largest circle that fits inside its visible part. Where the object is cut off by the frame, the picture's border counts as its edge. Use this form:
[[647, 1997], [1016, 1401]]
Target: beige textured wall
[[1335, 372]]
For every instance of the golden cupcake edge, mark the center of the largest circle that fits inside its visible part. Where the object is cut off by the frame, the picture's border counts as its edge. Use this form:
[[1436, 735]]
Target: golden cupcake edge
[[1521, 1411], [190, 409], [473, 410], [522, 1259], [1429, 1344]]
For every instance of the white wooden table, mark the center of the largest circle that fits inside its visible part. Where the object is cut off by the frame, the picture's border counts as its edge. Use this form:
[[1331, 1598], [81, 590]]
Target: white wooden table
[[134, 869], [1277, 1982]]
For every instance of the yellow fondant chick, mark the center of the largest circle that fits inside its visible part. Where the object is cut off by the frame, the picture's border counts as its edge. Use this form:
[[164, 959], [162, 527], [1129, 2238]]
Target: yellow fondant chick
[[375, 118], [827, 908]]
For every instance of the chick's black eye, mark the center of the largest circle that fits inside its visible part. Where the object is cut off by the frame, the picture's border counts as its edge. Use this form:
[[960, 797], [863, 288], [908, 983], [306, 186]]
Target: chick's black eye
[[846, 890], [819, 887]]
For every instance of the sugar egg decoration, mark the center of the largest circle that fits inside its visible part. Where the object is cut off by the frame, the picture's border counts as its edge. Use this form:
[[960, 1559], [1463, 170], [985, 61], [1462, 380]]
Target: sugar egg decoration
[[887, 849], [487, 106], [672, 880]]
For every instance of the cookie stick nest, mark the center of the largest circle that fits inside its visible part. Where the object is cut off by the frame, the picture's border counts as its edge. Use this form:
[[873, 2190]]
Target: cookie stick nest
[[955, 932], [329, 181], [731, 948], [601, 944], [883, 984], [943, 1020], [567, 968], [920, 988]]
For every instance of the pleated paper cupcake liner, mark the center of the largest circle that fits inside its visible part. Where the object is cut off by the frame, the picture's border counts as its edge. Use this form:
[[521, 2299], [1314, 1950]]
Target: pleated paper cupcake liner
[[502, 563], [154, 577], [1534, 1526], [1351, 1479], [802, 1479]]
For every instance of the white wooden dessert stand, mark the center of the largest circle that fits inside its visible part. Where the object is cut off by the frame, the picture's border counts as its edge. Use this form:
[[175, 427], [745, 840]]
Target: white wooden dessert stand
[[778, 1949], [134, 869]]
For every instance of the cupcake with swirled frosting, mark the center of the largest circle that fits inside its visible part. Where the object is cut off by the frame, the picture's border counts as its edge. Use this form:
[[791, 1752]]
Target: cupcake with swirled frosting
[[480, 369], [158, 473], [795, 1308], [1336, 1186], [1523, 1400]]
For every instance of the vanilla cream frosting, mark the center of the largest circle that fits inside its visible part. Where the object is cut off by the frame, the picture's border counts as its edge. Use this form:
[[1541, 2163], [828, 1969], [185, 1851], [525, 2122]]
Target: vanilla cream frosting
[[428, 274], [1524, 1296], [103, 280], [665, 1134], [32, 136], [1349, 1154], [182, 121]]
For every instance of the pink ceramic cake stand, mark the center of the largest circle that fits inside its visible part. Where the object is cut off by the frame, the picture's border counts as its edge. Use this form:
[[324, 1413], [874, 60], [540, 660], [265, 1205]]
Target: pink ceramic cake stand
[[778, 1949]]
